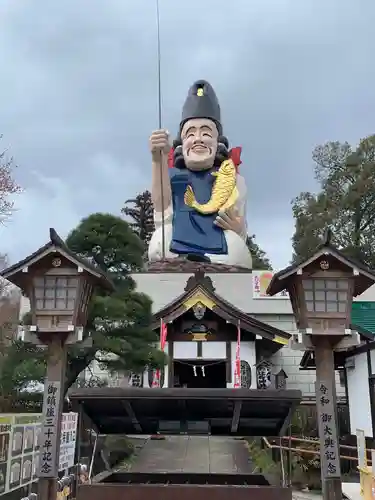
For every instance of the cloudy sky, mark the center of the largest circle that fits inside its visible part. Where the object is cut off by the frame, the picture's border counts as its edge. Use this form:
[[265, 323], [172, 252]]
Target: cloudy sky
[[78, 99]]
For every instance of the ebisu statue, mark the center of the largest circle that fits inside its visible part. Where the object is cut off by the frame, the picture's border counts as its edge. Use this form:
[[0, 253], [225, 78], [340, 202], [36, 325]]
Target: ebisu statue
[[199, 187]]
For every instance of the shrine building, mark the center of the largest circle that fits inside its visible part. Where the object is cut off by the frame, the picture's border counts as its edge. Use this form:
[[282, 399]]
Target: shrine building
[[203, 312]]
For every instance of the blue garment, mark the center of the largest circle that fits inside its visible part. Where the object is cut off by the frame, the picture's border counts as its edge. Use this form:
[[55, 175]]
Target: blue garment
[[194, 233]]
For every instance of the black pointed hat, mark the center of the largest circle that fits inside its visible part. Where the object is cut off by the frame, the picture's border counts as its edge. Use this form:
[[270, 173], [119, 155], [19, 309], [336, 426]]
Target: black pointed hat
[[201, 102]]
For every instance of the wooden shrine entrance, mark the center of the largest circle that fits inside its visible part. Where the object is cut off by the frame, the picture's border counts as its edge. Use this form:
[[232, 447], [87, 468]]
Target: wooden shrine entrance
[[220, 412], [198, 373]]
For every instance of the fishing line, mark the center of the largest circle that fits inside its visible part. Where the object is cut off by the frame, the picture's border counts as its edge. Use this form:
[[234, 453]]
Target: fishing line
[[159, 122]]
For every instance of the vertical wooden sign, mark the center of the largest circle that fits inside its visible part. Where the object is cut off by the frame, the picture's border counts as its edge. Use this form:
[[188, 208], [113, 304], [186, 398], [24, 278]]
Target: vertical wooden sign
[[329, 447], [49, 460]]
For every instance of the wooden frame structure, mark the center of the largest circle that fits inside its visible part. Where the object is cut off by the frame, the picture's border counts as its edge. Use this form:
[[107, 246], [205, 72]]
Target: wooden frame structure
[[185, 411]]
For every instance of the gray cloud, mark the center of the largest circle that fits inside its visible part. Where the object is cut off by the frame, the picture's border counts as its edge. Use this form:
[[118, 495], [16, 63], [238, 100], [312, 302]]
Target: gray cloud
[[78, 99]]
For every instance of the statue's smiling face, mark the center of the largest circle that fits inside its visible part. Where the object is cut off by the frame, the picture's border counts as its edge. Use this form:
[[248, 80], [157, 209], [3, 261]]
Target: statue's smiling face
[[199, 143]]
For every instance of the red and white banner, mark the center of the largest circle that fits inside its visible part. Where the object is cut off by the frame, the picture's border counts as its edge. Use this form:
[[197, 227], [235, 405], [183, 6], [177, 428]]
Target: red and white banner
[[163, 339], [237, 366]]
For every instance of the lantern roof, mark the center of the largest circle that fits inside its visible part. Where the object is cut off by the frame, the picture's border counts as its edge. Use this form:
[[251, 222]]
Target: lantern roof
[[364, 276], [57, 246]]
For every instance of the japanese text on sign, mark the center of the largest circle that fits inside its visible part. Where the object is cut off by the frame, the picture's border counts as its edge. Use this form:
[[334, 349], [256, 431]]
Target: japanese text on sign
[[329, 453], [68, 440], [261, 280], [48, 452]]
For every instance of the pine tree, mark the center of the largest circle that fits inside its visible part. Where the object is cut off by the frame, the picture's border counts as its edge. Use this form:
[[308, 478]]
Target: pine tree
[[141, 215], [119, 323], [260, 260]]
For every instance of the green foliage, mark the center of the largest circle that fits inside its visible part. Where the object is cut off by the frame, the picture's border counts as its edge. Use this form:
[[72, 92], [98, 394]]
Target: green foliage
[[119, 323], [306, 465], [141, 214], [260, 259], [262, 458], [21, 365], [109, 242], [304, 424], [345, 202]]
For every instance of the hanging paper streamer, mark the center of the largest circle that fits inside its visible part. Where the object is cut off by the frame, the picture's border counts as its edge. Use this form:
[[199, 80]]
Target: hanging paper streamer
[[237, 366], [163, 339]]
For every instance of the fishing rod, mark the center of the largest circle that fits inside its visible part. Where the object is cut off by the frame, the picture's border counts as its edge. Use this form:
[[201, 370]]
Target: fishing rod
[[160, 120]]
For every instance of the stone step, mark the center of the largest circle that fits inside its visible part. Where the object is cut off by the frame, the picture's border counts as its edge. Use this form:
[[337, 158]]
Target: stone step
[[193, 454]]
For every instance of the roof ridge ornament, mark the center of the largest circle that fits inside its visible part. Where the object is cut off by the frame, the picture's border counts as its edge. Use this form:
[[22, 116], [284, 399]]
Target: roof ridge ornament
[[327, 239], [199, 278], [55, 238]]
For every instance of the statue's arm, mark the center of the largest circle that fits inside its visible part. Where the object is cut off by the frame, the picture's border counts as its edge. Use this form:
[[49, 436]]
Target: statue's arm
[[240, 206], [161, 194], [161, 187]]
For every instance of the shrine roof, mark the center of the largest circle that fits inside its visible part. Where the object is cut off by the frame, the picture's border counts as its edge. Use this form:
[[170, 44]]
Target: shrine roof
[[199, 288], [366, 276], [225, 412]]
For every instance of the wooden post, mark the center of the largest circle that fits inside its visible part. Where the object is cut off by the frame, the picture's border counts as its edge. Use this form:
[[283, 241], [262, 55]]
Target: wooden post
[[327, 418], [53, 403]]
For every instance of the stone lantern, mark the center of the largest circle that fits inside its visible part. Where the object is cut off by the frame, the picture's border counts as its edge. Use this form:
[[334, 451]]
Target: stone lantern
[[59, 285], [321, 291]]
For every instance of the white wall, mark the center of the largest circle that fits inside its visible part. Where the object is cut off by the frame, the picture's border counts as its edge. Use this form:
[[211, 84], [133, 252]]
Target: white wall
[[289, 360], [372, 356], [236, 288], [24, 307], [359, 398], [185, 350], [213, 350]]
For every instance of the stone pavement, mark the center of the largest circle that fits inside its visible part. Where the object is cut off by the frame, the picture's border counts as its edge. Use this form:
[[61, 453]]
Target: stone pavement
[[196, 454], [193, 454]]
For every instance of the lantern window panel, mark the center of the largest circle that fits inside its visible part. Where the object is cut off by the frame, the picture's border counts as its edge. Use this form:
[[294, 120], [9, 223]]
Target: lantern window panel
[[55, 292], [326, 295], [72, 293], [50, 282], [62, 282]]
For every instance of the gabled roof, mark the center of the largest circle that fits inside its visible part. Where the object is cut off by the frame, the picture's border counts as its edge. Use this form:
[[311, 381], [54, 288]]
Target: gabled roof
[[56, 245], [199, 288], [367, 276]]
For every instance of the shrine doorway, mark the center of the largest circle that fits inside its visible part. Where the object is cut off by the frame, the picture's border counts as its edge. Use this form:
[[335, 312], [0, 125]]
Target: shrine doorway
[[193, 373]]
